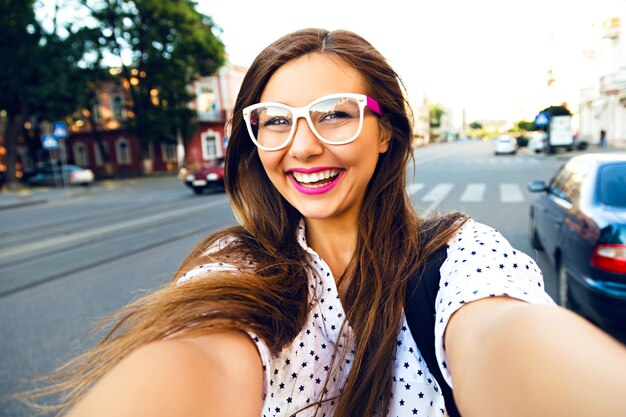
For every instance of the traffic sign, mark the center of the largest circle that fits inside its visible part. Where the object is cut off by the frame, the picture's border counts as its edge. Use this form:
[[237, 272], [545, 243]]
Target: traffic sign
[[50, 142], [542, 119], [59, 130]]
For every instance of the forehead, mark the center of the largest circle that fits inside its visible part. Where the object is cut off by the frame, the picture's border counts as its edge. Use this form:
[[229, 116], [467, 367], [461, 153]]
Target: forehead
[[309, 77]]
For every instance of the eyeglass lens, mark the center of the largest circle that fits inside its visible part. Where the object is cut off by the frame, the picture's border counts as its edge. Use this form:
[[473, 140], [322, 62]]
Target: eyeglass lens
[[335, 120]]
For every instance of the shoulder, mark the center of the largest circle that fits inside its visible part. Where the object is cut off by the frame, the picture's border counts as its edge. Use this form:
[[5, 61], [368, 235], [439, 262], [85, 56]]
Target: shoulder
[[217, 374]]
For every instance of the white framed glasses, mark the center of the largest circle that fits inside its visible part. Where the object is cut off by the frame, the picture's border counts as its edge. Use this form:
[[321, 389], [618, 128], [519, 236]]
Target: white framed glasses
[[336, 119]]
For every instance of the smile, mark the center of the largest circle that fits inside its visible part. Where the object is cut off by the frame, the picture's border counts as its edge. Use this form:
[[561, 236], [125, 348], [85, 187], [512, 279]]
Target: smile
[[318, 182]]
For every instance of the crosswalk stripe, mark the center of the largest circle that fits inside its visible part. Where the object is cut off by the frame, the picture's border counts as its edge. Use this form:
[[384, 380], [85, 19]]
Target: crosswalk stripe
[[511, 193], [439, 192], [473, 193]]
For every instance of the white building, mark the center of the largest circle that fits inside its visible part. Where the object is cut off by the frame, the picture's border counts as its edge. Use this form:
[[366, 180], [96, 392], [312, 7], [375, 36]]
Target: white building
[[603, 98]]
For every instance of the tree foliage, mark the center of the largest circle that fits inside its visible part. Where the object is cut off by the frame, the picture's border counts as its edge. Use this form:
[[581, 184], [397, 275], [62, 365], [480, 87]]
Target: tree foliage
[[162, 46], [476, 125], [525, 125], [557, 111], [435, 112], [40, 78]]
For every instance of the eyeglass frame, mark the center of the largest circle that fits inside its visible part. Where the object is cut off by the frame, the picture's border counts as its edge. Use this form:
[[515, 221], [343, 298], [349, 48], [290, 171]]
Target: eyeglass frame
[[305, 112]]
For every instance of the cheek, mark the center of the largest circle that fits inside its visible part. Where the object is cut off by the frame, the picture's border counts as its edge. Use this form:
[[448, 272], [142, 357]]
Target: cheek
[[270, 162]]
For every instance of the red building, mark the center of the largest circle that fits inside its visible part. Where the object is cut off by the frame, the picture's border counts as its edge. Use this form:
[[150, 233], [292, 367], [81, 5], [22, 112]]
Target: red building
[[88, 142]]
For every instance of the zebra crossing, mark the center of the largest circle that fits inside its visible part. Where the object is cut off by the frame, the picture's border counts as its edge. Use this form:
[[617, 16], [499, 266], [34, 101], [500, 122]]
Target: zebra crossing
[[467, 193], [493, 160]]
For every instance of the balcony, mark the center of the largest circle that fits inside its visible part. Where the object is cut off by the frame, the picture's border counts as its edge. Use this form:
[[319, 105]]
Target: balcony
[[613, 83], [212, 116]]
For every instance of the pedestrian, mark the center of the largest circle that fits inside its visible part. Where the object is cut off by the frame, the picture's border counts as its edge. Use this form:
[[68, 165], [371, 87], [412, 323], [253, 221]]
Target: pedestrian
[[603, 138], [299, 310]]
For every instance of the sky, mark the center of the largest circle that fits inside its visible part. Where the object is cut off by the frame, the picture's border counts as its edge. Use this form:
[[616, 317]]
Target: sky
[[487, 58]]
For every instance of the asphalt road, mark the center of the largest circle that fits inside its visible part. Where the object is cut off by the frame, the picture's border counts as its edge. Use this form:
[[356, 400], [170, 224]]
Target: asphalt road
[[68, 263]]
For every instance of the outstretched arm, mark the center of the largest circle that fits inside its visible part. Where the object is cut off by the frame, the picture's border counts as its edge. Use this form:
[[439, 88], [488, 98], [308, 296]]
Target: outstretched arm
[[214, 375], [510, 358]]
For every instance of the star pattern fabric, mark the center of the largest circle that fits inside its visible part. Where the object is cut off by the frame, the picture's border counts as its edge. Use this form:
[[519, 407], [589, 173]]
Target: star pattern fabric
[[480, 263]]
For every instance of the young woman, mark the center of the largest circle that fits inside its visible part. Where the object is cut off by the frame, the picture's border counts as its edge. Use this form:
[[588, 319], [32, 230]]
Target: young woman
[[299, 310]]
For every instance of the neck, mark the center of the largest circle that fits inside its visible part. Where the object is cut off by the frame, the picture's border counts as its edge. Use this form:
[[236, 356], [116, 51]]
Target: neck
[[334, 241]]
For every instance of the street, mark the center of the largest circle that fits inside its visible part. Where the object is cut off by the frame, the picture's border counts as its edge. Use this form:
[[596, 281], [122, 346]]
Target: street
[[69, 262]]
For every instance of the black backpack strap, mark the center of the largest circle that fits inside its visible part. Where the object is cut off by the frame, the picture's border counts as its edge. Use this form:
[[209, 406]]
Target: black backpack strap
[[419, 309]]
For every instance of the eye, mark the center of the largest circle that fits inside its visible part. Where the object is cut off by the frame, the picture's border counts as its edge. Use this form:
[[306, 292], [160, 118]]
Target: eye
[[334, 115], [277, 121]]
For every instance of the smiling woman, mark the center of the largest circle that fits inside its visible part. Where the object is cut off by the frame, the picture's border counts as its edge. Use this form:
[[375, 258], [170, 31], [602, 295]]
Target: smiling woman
[[299, 310]]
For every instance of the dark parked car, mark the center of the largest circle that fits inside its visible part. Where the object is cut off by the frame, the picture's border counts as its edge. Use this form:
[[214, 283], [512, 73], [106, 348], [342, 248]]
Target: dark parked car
[[579, 220], [210, 176], [58, 175]]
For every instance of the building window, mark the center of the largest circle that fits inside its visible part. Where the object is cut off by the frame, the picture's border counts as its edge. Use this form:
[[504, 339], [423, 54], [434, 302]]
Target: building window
[[81, 157], [211, 145], [96, 151], [206, 96], [168, 152], [123, 152], [118, 107], [97, 116]]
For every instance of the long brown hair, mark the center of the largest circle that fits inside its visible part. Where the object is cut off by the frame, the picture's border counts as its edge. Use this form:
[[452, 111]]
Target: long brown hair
[[269, 294]]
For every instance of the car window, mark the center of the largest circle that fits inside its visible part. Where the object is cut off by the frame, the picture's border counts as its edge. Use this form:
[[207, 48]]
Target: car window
[[612, 185], [557, 185], [571, 187]]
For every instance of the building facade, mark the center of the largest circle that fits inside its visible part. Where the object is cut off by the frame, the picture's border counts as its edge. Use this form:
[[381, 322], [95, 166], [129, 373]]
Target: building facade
[[98, 139], [603, 97]]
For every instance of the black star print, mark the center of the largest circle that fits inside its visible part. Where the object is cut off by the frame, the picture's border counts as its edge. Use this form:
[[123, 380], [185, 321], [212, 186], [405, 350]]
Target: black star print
[[407, 386], [406, 364], [294, 375], [289, 399], [421, 395], [401, 402], [414, 411]]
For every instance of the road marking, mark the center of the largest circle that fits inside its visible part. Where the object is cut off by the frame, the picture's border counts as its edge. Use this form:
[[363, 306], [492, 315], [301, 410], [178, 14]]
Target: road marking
[[473, 193], [439, 192], [511, 193], [436, 196], [415, 187], [60, 240]]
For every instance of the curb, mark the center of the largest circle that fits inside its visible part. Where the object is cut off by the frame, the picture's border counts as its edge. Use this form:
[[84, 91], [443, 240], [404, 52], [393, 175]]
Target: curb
[[19, 204]]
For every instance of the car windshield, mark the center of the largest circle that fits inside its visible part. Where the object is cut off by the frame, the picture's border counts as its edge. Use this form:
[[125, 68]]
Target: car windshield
[[612, 185]]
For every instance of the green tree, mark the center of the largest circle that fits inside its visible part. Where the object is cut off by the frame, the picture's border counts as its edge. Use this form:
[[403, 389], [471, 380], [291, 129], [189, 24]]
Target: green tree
[[476, 125], [435, 112], [40, 75], [557, 111], [526, 126], [169, 44]]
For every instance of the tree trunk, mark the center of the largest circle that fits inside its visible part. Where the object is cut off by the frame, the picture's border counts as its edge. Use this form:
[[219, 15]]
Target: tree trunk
[[15, 121]]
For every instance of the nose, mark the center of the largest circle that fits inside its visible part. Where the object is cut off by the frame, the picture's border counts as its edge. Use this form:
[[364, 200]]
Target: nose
[[304, 144]]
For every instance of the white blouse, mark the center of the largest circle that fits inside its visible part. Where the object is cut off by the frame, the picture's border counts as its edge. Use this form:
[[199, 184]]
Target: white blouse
[[480, 263]]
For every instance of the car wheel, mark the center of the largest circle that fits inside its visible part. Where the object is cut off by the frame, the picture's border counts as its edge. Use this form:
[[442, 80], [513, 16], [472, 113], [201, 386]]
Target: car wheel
[[563, 287], [198, 190], [534, 239]]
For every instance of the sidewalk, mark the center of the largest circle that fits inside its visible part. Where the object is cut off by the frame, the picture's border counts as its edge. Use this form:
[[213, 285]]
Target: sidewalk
[[29, 196]]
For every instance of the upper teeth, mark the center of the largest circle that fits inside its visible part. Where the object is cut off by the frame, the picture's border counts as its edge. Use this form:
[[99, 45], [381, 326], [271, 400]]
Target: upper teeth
[[316, 176]]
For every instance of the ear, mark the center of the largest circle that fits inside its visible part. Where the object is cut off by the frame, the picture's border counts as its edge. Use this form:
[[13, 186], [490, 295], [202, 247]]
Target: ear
[[383, 140]]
